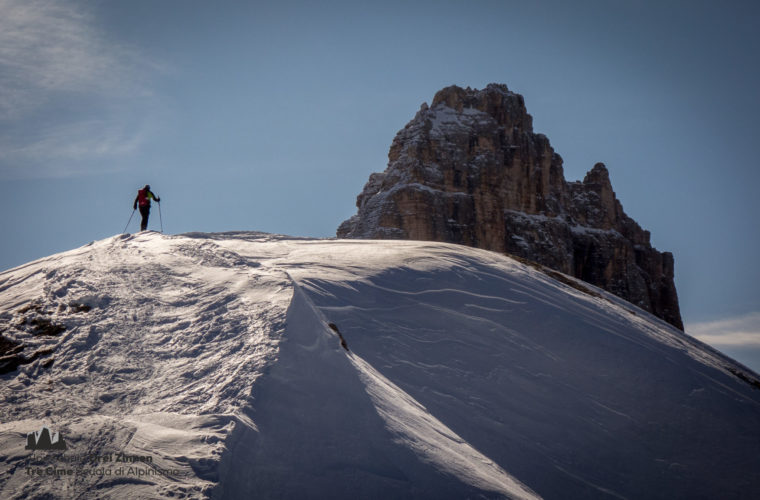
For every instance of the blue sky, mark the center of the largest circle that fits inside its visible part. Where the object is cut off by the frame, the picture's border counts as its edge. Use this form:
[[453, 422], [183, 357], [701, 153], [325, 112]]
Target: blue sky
[[270, 116]]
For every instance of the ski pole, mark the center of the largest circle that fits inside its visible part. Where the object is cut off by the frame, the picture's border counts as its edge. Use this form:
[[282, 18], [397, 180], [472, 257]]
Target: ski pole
[[130, 220], [160, 218]]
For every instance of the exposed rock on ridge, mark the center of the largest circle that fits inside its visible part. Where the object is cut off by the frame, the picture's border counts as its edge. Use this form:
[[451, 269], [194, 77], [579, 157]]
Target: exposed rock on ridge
[[469, 169]]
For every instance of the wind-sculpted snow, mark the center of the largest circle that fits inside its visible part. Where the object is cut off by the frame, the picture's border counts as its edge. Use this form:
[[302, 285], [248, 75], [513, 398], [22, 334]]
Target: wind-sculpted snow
[[159, 366], [328, 425], [574, 394], [206, 363]]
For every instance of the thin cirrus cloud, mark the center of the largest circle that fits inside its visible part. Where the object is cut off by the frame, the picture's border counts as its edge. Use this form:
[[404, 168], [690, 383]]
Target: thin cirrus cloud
[[731, 332], [66, 149], [67, 93]]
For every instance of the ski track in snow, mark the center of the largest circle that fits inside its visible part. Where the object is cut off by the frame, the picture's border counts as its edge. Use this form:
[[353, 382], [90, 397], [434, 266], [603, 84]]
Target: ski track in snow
[[469, 374]]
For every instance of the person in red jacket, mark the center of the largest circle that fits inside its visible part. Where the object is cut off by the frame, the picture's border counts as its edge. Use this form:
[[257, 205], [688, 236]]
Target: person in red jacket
[[142, 199]]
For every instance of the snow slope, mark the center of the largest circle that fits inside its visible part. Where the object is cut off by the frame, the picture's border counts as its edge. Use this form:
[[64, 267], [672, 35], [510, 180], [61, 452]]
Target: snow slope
[[207, 361]]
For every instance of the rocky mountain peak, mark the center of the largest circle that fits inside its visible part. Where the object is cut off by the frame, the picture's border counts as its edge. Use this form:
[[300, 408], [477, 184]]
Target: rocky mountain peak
[[598, 175], [496, 100], [469, 169]]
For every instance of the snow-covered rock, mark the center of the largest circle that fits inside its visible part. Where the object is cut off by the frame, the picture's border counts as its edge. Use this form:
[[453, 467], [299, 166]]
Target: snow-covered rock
[[210, 365], [469, 169]]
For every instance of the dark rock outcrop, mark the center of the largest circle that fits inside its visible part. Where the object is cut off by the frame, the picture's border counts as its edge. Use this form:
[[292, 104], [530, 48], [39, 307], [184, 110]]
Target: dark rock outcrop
[[469, 169]]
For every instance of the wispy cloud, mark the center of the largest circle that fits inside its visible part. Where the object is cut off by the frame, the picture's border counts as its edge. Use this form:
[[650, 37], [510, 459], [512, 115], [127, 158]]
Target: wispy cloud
[[742, 330], [67, 149], [67, 92]]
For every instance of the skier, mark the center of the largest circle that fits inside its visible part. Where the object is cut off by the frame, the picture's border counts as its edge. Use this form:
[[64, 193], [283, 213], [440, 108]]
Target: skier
[[143, 198]]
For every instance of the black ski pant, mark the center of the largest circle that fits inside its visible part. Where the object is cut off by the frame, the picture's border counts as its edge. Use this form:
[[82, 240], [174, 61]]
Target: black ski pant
[[145, 212]]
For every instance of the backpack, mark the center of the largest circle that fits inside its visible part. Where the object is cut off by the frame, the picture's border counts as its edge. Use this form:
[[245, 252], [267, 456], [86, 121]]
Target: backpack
[[142, 197]]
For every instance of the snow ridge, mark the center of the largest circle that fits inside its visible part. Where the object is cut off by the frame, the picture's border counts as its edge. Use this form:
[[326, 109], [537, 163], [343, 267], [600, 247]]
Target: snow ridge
[[469, 374]]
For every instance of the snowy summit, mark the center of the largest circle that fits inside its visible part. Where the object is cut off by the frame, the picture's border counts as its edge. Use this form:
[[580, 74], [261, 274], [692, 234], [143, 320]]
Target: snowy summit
[[248, 365]]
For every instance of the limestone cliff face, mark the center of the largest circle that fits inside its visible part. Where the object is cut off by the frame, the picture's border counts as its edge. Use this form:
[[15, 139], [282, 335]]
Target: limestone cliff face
[[469, 169]]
